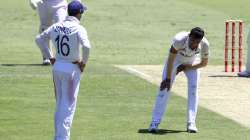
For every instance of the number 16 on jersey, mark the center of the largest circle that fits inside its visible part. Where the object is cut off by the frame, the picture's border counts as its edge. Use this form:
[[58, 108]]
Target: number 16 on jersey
[[62, 45]]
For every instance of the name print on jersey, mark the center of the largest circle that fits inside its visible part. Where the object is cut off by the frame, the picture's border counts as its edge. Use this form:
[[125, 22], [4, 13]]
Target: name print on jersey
[[64, 30]]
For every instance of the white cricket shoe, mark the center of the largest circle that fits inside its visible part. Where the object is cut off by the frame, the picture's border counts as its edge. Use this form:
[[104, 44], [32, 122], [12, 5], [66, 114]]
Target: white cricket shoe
[[191, 128], [46, 62], [244, 74], [153, 128]]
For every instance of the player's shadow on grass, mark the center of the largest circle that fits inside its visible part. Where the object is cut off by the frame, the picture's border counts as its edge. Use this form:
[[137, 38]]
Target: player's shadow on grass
[[160, 131], [17, 65]]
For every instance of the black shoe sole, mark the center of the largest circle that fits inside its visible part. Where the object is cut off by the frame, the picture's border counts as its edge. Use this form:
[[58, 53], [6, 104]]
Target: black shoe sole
[[153, 131], [191, 131], [45, 64]]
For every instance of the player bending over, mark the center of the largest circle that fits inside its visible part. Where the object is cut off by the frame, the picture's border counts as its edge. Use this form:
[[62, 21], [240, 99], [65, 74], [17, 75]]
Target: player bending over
[[186, 49]]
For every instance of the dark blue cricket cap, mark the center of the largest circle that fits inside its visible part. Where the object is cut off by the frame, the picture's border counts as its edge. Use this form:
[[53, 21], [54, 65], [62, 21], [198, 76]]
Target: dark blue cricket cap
[[75, 7]]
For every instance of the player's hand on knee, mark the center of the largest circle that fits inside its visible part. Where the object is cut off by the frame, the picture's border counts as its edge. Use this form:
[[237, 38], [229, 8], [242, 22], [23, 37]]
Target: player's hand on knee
[[183, 67], [188, 66], [165, 84], [180, 68], [52, 61]]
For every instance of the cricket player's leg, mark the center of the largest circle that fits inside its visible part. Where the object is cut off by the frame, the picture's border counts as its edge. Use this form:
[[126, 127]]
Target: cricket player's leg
[[193, 79], [159, 110], [59, 11], [45, 22], [57, 79], [161, 102], [246, 73], [70, 82]]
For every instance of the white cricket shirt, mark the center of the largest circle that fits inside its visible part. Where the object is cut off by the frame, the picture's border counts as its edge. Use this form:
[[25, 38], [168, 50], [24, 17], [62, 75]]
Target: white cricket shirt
[[67, 38], [185, 54]]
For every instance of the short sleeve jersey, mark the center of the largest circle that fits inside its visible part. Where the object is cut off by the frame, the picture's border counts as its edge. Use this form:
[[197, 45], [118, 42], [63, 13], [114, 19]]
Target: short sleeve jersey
[[180, 43], [67, 38]]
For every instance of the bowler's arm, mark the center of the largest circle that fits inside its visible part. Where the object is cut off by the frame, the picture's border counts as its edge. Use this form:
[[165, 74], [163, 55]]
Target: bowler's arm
[[170, 62], [166, 83], [203, 63]]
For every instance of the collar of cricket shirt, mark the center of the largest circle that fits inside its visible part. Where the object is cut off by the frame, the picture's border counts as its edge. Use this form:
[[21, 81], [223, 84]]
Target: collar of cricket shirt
[[72, 18]]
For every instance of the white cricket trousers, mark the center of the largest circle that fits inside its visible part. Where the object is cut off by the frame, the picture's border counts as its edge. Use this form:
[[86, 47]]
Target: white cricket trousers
[[66, 78], [162, 97], [51, 11]]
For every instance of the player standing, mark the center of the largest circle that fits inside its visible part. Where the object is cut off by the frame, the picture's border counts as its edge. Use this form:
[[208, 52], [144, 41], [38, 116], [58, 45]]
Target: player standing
[[67, 38], [49, 11], [183, 56], [246, 73]]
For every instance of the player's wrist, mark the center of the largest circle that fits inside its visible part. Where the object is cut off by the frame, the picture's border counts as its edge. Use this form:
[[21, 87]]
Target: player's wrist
[[167, 80]]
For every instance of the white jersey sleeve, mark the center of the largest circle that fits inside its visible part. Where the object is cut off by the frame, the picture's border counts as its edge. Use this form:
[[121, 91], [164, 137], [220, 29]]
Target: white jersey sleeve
[[41, 42], [180, 40], [83, 37], [84, 41]]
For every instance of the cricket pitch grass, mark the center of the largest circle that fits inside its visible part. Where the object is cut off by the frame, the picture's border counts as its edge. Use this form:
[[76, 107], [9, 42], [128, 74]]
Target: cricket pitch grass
[[112, 103]]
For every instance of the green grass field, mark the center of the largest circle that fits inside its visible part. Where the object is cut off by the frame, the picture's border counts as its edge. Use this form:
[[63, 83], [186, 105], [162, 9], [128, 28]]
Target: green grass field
[[112, 104]]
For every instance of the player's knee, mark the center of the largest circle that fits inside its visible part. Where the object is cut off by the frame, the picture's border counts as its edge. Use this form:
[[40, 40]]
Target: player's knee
[[193, 87], [37, 40], [162, 93]]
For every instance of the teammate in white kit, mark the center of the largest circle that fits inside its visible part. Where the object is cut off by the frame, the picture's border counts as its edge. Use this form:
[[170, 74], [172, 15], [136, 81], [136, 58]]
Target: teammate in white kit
[[49, 11], [188, 53], [68, 37], [246, 73]]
